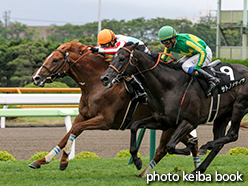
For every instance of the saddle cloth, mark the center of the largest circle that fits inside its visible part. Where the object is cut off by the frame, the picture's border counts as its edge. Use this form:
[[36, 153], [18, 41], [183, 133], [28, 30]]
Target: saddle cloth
[[228, 75]]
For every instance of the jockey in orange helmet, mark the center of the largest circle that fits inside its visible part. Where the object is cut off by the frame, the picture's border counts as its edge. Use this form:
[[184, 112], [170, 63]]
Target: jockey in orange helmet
[[109, 43]]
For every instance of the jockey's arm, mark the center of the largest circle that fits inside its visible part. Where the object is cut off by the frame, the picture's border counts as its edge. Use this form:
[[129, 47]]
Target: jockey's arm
[[165, 57], [111, 50], [200, 50]]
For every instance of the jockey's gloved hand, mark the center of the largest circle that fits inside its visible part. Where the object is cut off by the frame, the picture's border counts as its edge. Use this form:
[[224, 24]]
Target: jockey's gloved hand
[[94, 49], [191, 70]]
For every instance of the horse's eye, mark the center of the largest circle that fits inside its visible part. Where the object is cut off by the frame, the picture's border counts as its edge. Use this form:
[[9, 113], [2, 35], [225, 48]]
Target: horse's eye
[[55, 60]]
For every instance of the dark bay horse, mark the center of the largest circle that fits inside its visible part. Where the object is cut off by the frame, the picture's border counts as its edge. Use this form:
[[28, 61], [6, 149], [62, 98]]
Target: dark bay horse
[[166, 85], [100, 108]]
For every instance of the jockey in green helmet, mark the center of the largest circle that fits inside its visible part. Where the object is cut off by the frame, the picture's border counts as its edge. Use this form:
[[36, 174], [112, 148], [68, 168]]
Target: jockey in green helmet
[[196, 53]]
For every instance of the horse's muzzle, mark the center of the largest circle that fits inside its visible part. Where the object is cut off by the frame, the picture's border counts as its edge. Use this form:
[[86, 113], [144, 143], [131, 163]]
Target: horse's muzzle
[[37, 80], [106, 81]]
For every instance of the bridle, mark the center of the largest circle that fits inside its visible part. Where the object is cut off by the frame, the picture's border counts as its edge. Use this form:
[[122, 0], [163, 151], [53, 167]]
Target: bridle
[[129, 62], [59, 70]]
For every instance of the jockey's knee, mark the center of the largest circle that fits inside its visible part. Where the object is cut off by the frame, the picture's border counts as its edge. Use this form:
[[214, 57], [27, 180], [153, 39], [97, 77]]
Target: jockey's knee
[[188, 68]]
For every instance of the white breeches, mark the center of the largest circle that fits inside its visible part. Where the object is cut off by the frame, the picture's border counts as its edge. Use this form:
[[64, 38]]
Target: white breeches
[[191, 61]]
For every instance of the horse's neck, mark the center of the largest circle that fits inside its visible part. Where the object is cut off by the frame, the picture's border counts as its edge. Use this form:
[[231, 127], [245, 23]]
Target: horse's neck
[[160, 83], [87, 72], [164, 76]]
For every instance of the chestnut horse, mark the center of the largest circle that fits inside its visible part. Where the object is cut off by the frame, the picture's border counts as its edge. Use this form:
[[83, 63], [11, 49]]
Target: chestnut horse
[[165, 85], [100, 108]]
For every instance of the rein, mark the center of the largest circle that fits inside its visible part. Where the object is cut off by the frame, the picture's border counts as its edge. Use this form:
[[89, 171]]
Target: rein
[[140, 72], [159, 60], [53, 75]]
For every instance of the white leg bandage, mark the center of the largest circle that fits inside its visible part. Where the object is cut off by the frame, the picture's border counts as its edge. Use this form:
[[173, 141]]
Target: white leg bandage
[[69, 144], [52, 154], [149, 167], [197, 161]]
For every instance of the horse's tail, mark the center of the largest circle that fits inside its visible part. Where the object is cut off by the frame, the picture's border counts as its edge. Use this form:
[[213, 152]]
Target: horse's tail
[[244, 126]]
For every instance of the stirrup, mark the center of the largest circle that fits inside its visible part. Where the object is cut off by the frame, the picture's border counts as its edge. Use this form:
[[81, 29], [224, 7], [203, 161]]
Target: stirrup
[[212, 87]]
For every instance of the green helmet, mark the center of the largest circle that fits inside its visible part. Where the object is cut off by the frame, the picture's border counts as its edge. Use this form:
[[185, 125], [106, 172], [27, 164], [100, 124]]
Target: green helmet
[[166, 32]]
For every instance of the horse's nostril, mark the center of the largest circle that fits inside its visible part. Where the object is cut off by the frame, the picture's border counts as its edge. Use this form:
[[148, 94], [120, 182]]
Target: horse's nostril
[[104, 79], [36, 78]]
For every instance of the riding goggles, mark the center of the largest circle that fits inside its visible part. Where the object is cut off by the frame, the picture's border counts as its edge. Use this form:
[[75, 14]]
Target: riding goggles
[[166, 42], [106, 45]]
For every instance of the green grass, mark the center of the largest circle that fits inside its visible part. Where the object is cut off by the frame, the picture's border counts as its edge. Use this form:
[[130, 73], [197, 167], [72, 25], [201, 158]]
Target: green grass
[[115, 172]]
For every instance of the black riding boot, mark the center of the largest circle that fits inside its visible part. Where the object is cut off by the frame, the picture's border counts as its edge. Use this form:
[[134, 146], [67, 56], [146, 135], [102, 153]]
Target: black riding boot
[[212, 81], [140, 93]]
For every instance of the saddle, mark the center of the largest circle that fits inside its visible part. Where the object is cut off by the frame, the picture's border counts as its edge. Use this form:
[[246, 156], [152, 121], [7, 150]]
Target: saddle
[[228, 75], [229, 78]]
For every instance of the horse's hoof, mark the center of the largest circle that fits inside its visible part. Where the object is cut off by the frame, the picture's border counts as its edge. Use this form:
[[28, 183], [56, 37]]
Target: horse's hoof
[[141, 175], [194, 174], [34, 165], [63, 166], [138, 164], [202, 152]]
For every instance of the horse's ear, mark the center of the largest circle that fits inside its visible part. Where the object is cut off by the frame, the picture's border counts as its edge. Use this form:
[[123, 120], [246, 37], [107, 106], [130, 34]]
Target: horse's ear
[[134, 46]]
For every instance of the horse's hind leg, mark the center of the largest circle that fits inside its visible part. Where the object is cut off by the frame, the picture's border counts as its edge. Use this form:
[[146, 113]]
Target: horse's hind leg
[[219, 130], [232, 135], [150, 123]]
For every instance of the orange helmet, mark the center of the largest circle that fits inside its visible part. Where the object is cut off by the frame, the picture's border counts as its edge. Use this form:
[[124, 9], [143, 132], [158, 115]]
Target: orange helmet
[[105, 36]]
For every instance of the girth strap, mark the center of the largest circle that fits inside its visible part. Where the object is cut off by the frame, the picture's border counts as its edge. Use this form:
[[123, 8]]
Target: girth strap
[[214, 106]]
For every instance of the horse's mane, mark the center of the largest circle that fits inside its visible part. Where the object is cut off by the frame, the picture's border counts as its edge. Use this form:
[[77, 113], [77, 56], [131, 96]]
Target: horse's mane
[[77, 47], [154, 57]]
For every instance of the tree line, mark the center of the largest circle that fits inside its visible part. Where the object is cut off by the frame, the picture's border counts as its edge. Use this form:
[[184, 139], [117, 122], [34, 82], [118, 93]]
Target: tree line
[[22, 51]]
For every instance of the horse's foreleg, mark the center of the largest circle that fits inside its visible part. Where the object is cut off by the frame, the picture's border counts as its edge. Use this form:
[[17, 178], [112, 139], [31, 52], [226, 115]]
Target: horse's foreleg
[[97, 122], [193, 147], [48, 158], [150, 123], [181, 132], [195, 150], [202, 168], [161, 151]]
